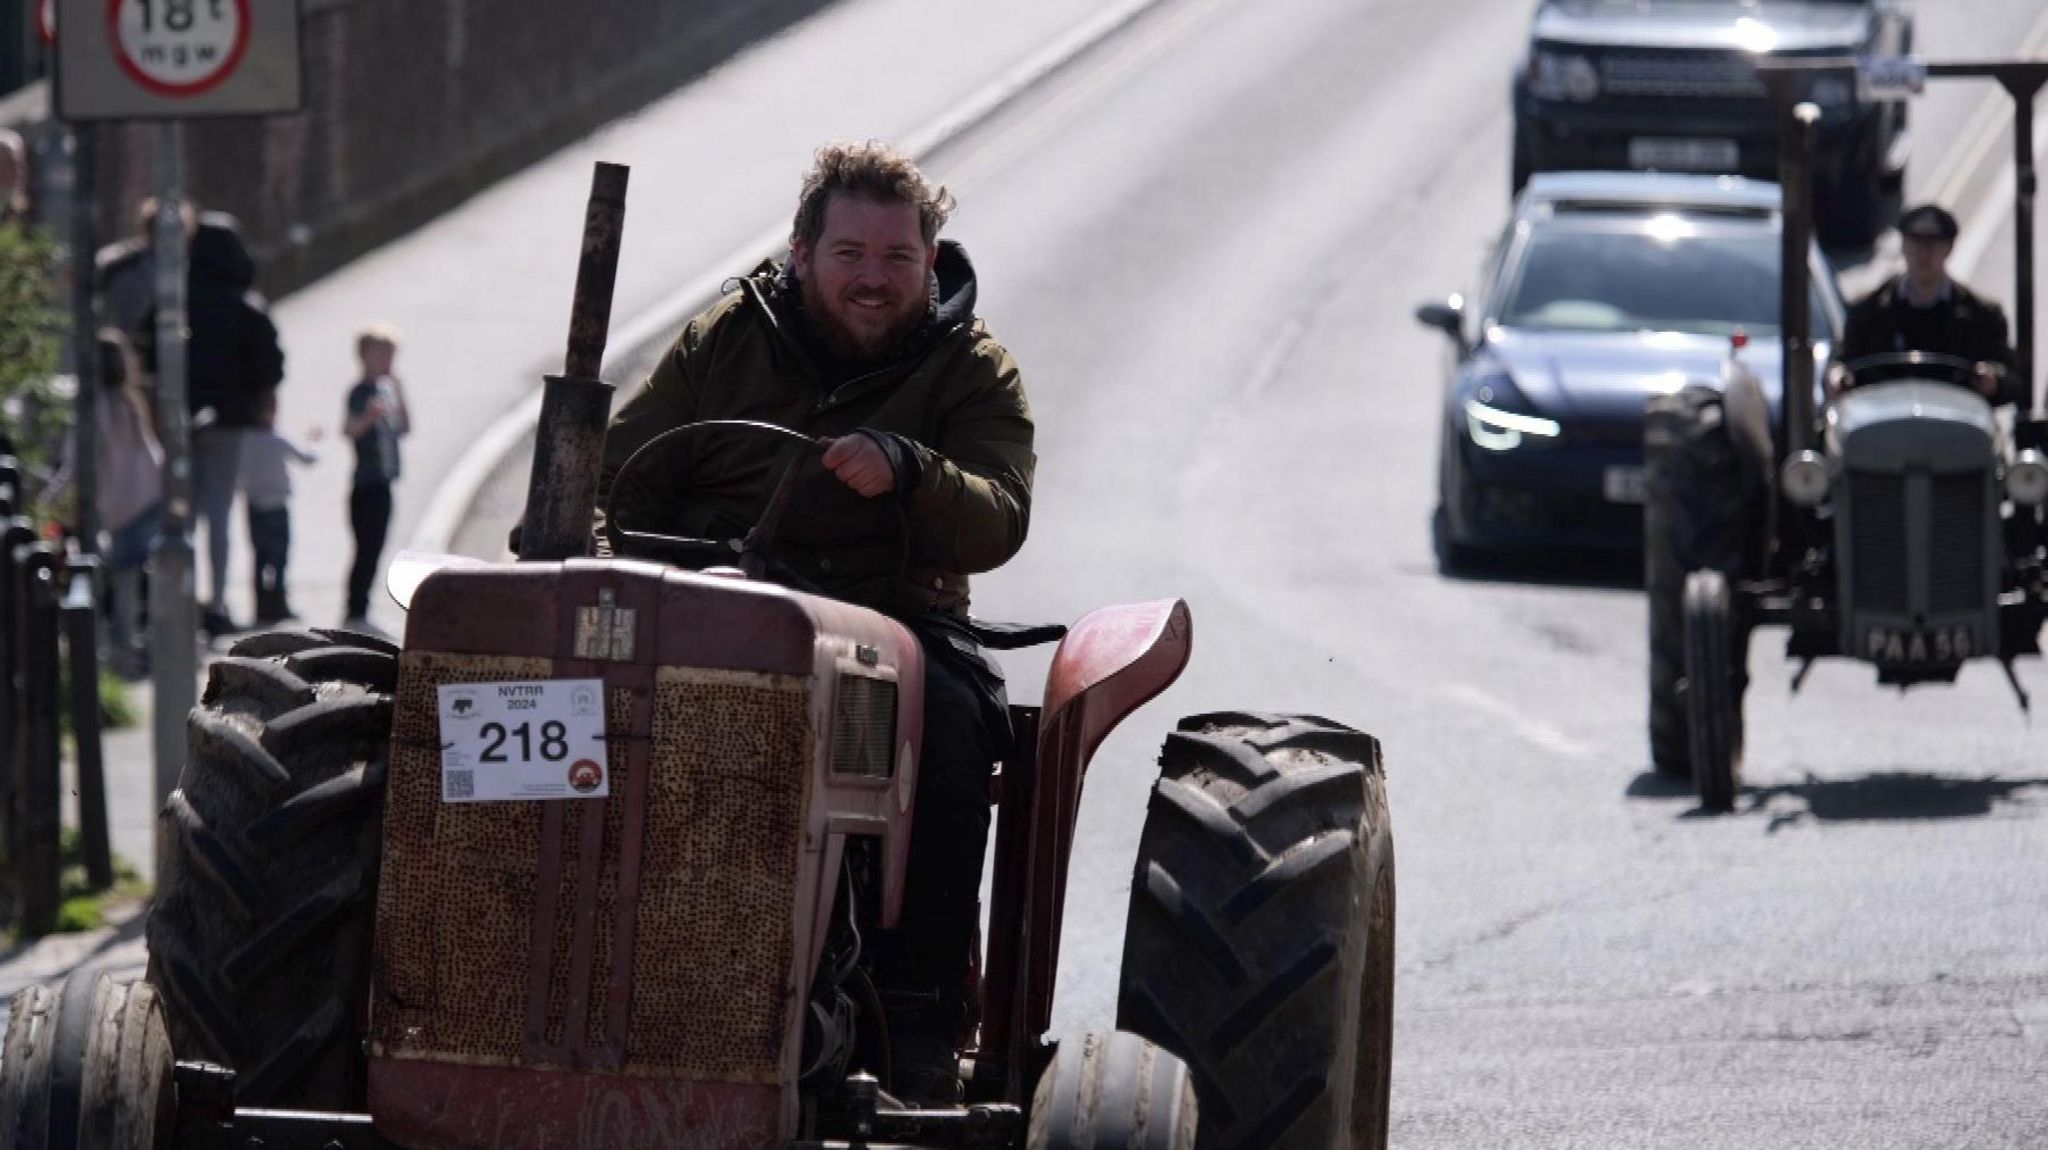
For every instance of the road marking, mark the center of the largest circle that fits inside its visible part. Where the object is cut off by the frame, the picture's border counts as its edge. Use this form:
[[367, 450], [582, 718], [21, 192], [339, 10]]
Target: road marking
[[1987, 222], [456, 494], [1537, 732], [1987, 127]]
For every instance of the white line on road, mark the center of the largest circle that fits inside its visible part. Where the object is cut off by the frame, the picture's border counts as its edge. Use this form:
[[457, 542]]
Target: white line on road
[[1986, 127], [458, 489], [1537, 732], [1987, 222]]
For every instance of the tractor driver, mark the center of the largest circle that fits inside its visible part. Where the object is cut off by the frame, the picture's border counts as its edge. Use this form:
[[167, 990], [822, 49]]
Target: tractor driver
[[866, 338], [1922, 309]]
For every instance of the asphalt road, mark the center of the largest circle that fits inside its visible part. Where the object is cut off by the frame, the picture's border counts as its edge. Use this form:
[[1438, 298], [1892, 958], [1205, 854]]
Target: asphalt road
[[1203, 243]]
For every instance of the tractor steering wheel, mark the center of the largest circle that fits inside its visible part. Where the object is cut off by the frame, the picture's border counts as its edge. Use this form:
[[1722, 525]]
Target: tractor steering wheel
[[752, 554], [1912, 365]]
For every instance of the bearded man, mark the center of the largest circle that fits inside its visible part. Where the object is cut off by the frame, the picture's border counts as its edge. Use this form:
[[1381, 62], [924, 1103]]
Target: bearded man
[[866, 338]]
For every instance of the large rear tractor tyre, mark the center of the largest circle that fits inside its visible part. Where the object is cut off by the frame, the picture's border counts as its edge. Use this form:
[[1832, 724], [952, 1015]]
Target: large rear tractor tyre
[[1712, 694], [260, 937], [1698, 514], [1113, 1091], [87, 1066], [1260, 946]]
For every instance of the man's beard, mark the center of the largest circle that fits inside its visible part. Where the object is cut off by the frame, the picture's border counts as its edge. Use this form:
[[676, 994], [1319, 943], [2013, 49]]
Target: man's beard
[[848, 344]]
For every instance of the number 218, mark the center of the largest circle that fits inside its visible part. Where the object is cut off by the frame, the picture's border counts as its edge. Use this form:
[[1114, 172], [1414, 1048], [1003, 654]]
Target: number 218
[[554, 742]]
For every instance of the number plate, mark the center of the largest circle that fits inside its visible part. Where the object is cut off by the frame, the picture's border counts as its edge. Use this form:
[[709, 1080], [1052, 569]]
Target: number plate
[[1684, 155], [541, 739], [1905, 646], [1622, 484]]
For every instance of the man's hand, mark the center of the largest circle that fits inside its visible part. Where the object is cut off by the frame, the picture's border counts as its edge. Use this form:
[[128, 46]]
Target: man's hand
[[1988, 380], [861, 464]]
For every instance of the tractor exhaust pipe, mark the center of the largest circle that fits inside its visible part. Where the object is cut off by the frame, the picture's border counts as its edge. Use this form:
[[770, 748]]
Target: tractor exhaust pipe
[[561, 493]]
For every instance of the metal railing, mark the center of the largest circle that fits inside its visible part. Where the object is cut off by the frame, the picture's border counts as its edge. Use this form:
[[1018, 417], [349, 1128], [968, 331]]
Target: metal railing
[[49, 665]]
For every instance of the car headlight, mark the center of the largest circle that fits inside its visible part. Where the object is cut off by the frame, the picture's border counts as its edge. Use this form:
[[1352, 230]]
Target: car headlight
[[1562, 76], [2027, 479], [1832, 91], [1804, 479], [1494, 428]]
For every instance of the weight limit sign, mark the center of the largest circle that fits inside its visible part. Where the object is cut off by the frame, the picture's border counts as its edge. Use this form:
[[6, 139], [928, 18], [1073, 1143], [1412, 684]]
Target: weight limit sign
[[179, 48], [177, 59]]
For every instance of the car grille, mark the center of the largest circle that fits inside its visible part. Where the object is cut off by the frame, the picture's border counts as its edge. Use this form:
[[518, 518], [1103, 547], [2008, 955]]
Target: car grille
[[1684, 77], [1955, 561], [1878, 535]]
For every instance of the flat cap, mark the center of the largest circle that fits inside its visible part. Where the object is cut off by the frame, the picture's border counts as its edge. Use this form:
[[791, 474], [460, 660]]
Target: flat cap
[[1928, 221]]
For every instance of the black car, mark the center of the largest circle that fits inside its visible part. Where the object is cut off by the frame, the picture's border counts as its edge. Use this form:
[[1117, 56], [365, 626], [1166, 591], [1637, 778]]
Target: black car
[[1672, 85], [1605, 290]]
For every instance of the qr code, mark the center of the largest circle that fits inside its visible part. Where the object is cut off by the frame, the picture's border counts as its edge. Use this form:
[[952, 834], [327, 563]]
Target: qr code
[[458, 785]]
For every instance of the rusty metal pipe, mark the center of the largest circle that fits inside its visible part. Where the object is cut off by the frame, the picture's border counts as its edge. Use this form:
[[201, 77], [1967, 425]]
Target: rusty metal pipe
[[561, 491]]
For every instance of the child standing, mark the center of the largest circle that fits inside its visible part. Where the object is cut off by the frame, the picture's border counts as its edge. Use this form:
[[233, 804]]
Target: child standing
[[267, 485], [376, 419]]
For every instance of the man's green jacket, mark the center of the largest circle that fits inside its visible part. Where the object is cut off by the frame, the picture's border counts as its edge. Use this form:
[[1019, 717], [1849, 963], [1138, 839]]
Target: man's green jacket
[[949, 406]]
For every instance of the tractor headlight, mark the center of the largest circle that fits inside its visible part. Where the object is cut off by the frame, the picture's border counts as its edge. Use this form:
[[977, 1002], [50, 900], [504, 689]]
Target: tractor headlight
[[1497, 429], [1562, 76], [2027, 479], [1804, 479]]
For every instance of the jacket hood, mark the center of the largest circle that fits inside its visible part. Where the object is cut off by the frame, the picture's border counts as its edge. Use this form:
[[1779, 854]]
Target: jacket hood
[[1766, 26], [219, 255]]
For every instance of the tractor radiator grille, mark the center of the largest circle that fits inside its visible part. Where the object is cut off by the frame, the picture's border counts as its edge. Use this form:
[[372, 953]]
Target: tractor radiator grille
[[1955, 558], [864, 727], [723, 760], [1878, 503]]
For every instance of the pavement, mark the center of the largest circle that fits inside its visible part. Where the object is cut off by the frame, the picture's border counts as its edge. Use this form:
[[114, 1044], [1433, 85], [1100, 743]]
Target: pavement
[[481, 295]]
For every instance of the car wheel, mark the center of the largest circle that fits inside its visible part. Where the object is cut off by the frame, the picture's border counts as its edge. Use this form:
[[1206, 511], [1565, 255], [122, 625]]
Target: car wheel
[[1452, 557]]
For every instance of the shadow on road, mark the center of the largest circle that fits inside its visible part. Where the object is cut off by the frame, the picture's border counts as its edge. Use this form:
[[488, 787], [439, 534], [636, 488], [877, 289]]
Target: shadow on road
[[1892, 796]]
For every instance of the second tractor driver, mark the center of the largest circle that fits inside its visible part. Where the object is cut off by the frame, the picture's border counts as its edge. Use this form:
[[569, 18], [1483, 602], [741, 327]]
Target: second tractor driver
[[1923, 309], [867, 338]]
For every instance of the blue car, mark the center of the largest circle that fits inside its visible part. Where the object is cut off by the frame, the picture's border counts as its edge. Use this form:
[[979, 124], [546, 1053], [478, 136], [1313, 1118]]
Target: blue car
[[1605, 289]]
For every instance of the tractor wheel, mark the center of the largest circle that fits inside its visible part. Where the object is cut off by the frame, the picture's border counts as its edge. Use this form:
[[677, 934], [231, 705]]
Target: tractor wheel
[[260, 937], [87, 1065], [1713, 702], [1260, 942], [1697, 515], [1113, 1091]]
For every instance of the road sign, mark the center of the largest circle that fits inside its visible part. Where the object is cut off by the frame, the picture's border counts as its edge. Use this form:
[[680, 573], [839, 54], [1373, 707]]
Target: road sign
[[177, 59]]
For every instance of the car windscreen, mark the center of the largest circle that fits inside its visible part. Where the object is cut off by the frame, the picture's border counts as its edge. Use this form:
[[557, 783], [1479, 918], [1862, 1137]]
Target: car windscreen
[[1667, 277]]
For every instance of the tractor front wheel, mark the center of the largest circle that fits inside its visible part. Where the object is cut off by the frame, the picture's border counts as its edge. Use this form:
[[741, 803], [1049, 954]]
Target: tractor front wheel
[[260, 937], [1113, 1092], [87, 1066], [1260, 941], [1713, 696]]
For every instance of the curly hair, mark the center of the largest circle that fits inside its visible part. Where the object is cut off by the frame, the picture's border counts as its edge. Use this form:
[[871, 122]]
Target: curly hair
[[873, 170]]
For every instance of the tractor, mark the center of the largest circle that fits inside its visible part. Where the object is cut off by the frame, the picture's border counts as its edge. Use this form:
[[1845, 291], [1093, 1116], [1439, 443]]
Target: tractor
[[587, 860], [1897, 521]]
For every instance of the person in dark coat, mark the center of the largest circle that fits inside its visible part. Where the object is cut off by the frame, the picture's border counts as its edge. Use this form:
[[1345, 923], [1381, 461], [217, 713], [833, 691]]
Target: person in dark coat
[[1923, 309], [233, 362]]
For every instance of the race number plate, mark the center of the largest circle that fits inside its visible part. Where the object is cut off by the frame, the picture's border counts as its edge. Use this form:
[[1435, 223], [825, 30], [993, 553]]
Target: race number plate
[[1684, 155], [1905, 646], [542, 739], [1622, 484]]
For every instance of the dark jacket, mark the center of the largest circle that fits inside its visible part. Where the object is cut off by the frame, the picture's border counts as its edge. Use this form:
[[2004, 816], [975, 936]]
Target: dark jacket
[[1965, 325], [232, 355], [949, 406]]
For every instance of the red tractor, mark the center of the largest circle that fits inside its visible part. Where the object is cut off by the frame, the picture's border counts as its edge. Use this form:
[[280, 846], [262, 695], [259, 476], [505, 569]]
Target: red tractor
[[587, 862]]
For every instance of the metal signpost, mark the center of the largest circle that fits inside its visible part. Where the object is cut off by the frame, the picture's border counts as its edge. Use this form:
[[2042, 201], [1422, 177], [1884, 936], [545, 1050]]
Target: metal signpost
[[169, 61]]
